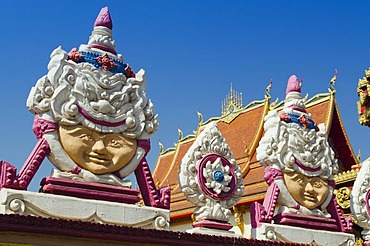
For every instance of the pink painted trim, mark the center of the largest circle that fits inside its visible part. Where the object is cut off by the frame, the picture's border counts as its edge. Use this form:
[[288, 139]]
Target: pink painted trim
[[144, 144], [343, 224], [264, 213], [75, 170], [331, 183], [270, 201], [213, 224], [271, 174], [41, 126], [306, 168], [367, 201], [102, 47], [89, 190], [8, 176], [99, 122], [309, 222], [202, 180], [151, 196], [298, 109]]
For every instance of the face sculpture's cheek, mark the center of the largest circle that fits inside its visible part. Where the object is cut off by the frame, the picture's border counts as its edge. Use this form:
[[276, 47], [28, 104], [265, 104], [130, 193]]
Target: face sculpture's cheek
[[99, 153], [310, 192]]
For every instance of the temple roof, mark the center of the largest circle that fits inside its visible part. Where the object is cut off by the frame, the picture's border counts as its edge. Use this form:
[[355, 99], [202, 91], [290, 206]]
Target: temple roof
[[243, 129]]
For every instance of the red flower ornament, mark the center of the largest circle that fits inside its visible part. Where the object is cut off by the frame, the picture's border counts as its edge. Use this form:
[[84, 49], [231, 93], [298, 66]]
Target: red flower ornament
[[129, 72], [105, 62], [75, 55]]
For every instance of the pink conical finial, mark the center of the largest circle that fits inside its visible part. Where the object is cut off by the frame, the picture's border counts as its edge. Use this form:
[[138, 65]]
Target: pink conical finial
[[104, 19], [293, 85]]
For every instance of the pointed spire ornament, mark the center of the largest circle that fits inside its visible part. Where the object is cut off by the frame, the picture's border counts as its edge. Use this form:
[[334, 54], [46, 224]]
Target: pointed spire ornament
[[104, 19], [293, 85], [101, 40]]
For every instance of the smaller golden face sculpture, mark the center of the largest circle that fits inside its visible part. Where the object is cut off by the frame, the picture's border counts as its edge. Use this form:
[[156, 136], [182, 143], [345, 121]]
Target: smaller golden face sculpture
[[99, 153], [310, 192]]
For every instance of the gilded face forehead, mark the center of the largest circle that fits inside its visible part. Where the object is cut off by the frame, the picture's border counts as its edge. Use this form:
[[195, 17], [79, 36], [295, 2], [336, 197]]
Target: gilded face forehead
[[310, 192], [99, 153]]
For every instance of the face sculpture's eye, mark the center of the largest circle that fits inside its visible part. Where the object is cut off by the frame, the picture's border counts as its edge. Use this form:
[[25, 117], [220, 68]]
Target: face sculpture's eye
[[115, 143], [87, 138]]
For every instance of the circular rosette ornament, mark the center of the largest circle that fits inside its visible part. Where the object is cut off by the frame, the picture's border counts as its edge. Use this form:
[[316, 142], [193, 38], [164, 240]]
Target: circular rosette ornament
[[216, 177], [210, 177]]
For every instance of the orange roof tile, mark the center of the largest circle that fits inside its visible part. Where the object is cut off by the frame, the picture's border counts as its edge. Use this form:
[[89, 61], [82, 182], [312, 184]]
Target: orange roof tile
[[161, 167]]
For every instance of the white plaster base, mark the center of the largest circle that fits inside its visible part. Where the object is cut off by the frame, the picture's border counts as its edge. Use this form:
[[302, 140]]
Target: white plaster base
[[215, 232], [283, 233], [71, 208]]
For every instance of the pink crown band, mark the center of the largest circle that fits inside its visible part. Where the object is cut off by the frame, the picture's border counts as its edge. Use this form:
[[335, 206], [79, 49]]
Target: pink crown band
[[298, 109], [99, 122], [309, 169], [102, 47]]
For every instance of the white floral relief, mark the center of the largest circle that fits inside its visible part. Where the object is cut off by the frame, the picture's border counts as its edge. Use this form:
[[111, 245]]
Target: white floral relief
[[217, 176]]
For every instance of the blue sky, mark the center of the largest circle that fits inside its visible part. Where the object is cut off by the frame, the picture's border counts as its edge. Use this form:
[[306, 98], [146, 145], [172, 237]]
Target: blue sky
[[192, 51]]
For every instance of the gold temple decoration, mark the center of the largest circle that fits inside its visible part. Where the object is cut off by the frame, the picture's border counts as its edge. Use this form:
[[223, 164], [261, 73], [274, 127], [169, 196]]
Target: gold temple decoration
[[363, 105], [343, 197], [239, 219], [161, 148], [268, 89], [200, 118], [332, 82], [346, 176], [180, 133], [232, 102]]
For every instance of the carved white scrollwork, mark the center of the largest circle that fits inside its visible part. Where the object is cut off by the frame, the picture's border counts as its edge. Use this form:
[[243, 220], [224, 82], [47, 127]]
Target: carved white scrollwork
[[360, 196], [210, 177], [17, 205]]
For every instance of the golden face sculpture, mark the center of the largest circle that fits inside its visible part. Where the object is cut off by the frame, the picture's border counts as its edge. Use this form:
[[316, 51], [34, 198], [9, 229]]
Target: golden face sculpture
[[310, 192], [99, 153]]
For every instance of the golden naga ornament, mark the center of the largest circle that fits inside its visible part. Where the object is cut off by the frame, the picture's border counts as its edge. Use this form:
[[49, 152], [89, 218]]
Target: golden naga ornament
[[363, 105]]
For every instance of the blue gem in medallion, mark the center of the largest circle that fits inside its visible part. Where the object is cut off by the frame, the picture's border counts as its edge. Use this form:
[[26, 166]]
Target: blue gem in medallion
[[218, 176]]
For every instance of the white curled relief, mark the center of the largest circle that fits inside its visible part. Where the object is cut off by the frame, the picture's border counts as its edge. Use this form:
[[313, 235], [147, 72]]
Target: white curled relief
[[360, 196], [105, 96], [210, 177], [285, 144]]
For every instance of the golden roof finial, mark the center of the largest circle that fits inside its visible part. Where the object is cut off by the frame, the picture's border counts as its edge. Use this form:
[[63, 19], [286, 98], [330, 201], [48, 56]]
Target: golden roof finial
[[180, 133], [200, 117], [268, 89], [301, 82], [332, 81], [359, 155], [233, 100], [160, 146]]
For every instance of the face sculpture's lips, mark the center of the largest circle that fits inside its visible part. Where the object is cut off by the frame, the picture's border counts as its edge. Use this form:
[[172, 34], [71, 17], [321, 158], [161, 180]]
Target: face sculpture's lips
[[99, 159], [310, 198]]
